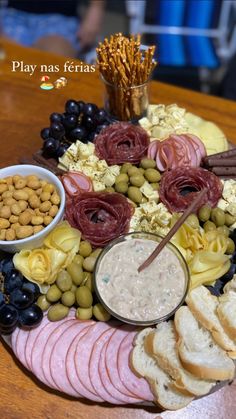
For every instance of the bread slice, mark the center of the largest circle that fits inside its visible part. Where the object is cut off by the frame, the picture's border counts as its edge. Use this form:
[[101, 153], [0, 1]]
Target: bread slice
[[160, 382], [199, 353], [226, 311], [204, 307], [162, 344]]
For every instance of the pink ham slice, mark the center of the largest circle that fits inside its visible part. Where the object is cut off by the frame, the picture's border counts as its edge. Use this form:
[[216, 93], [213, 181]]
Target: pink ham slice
[[32, 336], [152, 149], [112, 356], [55, 333], [83, 353], [136, 385], [39, 346], [71, 369], [94, 375], [108, 384], [58, 367], [20, 346]]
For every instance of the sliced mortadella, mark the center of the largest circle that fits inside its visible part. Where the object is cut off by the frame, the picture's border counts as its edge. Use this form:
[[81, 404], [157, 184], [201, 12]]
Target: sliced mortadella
[[152, 149], [76, 182]]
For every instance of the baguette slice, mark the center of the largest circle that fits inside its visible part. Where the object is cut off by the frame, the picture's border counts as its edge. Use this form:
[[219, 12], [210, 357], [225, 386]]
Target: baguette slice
[[226, 311], [198, 352], [204, 307], [162, 345], [160, 382]]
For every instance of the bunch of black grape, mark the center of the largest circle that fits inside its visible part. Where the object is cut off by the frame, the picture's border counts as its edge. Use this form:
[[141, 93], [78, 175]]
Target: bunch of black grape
[[80, 121], [17, 299]]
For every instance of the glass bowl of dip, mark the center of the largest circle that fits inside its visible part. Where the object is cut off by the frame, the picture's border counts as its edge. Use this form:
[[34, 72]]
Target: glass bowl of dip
[[144, 298]]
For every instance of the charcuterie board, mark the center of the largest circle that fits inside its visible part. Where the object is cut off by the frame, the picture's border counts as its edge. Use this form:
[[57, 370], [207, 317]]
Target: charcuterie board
[[83, 325]]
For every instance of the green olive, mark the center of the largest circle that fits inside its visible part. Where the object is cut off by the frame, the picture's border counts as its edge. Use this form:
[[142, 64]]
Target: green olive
[[218, 216], [64, 281], [223, 230], [204, 213], [123, 177], [73, 288], [141, 170], [148, 163], [230, 247], [125, 167], [78, 259], [89, 263], [109, 189], [88, 281], [76, 273], [121, 187], [155, 186], [229, 219], [133, 171], [85, 248], [144, 200], [101, 313], [57, 312], [137, 180], [209, 226], [84, 313], [43, 303], [152, 175], [96, 252], [84, 297], [53, 294], [135, 194], [68, 298], [192, 220]]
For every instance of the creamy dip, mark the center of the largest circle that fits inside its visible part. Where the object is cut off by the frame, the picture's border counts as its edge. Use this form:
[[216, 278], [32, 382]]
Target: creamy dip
[[144, 296]]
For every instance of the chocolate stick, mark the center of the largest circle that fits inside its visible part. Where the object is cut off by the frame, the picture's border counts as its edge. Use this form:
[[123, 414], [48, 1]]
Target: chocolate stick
[[194, 205]]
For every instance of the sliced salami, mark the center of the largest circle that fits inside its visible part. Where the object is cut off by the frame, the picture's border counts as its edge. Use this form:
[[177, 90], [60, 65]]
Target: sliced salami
[[94, 375], [112, 360], [108, 384], [83, 353], [138, 386], [71, 369]]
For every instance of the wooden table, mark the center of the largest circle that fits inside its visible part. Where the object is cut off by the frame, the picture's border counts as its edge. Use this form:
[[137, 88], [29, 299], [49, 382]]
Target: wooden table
[[24, 110]]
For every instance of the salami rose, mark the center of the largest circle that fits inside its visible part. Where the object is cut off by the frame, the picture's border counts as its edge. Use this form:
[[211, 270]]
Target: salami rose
[[179, 186], [122, 142], [100, 216]]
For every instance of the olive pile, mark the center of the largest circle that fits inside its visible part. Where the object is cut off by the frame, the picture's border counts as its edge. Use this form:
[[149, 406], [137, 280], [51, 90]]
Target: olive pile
[[216, 218], [132, 178], [74, 287]]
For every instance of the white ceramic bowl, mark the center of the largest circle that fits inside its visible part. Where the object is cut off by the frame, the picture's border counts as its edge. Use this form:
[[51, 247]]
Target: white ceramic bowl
[[37, 239]]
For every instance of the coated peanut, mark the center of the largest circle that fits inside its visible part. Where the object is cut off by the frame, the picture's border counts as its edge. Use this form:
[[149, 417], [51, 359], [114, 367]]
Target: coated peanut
[[15, 209], [7, 194], [14, 219], [45, 206], [15, 225], [55, 199], [47, 220], [36, 220], [9, 201], [20, 184], [9, 180], [4, 223], [34, 201], [22, 204], [5, 212], [39, 191], [53, 210], [37, 229], [10, 234], [3, 234], [45, 196], [18, 195], [3, 188], [49, 188], [25, 218], [24, 231], [33, 184]]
